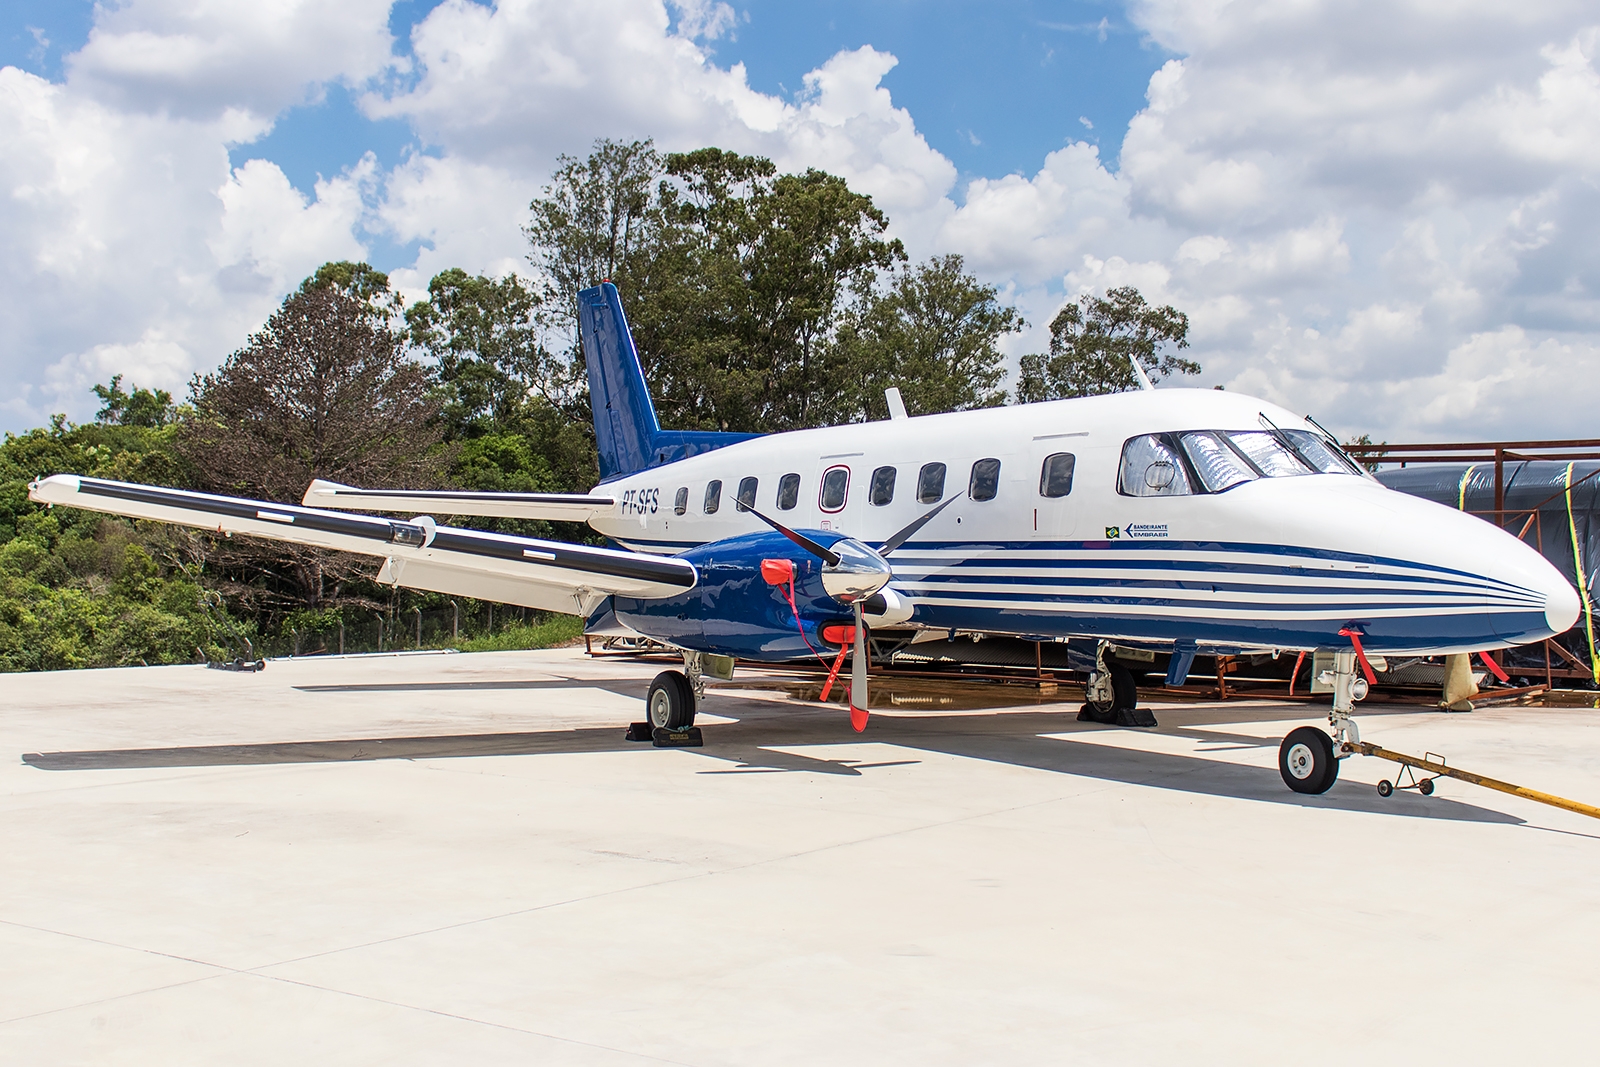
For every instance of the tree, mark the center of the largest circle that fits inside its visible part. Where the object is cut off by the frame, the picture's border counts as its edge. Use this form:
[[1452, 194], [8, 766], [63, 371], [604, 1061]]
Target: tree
[[734, 277], [505, 394], [1092, 340], [595, 217], [142, 407], [324, 390], [484, 333], [934, 333]]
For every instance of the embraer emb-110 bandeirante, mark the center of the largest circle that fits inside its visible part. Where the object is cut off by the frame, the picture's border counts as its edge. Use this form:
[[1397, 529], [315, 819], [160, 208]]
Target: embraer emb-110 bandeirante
[[1173, 520]]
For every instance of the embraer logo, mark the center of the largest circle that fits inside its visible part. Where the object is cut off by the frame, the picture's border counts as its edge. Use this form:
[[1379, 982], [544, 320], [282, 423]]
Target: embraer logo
[[1136, 529]]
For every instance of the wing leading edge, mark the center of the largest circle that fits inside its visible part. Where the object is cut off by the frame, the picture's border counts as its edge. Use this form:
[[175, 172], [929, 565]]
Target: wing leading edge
[[419, 554], [562, 507]]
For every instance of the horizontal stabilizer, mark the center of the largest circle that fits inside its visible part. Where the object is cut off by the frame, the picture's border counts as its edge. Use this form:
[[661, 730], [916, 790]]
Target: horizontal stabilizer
[[548, 575], [558, 507]]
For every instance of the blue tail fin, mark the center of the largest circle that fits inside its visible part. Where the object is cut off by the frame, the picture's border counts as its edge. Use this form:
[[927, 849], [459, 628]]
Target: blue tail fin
[[625, 423], [626, 430]]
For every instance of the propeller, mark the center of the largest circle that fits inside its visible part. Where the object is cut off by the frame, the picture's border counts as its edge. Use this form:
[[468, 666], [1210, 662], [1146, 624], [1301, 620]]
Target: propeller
[[857, 694], [852, 573]]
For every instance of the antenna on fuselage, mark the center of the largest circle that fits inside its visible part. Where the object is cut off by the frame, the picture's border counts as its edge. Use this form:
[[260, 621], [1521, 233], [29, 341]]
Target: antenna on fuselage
[[1138, 372], [897, 406]]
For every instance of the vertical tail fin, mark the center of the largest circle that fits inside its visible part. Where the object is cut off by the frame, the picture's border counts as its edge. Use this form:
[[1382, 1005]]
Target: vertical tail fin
[[625, 424], [626, 430]]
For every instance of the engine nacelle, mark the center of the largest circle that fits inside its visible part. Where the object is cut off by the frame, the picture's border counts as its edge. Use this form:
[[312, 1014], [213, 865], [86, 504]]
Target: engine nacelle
[[732, 610]]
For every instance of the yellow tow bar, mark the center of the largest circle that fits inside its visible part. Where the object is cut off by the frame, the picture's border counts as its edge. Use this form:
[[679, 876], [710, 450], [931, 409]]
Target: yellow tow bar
[[1438, 768]]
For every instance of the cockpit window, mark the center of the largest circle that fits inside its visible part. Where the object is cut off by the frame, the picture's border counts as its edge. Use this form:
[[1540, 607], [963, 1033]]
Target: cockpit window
[[1151, 467], [1218, 465], [1320, 453], [1267, 453], [1213, 461]]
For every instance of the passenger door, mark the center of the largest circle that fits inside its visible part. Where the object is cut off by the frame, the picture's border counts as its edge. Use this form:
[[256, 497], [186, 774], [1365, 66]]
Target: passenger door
[[846, 517], [1053, 468]]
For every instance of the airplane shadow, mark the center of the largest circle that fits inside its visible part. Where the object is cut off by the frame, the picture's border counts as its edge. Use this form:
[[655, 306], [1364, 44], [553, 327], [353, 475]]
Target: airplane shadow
[[762, 740], [627, 686]]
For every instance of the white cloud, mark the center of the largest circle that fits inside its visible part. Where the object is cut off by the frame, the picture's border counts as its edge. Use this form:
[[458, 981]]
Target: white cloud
[[131, 245], [1398, 228], [201, 58]]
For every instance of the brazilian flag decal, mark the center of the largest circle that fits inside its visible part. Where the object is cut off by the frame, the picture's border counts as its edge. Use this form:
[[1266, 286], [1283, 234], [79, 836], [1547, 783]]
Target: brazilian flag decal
[[1112, 533]]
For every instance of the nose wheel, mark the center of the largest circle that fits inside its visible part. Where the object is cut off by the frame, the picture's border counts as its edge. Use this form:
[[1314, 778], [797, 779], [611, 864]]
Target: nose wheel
[[1307, 762]]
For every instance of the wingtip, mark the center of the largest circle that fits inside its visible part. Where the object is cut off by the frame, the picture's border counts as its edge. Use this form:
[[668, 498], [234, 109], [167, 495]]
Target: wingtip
[[320, 487]]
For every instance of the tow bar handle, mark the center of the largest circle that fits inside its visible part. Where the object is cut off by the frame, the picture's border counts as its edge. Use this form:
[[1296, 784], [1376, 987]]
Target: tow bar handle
[[1366, 748]]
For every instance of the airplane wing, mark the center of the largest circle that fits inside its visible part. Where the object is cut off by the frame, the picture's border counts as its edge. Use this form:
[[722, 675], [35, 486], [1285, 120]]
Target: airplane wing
[[548, 575], [564, 507]]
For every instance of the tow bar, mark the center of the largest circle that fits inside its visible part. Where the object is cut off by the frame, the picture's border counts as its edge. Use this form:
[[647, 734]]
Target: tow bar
[[1437, 768]]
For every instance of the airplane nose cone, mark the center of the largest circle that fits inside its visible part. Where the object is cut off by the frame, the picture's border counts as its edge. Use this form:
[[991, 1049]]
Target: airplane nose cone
[[1561, 607]]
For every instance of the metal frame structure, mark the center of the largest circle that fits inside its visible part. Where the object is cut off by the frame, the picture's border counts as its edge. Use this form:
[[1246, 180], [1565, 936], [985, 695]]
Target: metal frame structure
[[1499, 453]]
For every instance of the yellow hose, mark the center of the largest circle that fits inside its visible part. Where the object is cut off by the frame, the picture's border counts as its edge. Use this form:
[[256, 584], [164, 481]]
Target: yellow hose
[[1461, 489], [1583, 589]]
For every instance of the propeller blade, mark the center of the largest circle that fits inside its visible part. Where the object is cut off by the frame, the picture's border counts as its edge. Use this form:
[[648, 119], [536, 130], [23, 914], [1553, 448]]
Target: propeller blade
[[827, 556], [906, 534], [858, 675]]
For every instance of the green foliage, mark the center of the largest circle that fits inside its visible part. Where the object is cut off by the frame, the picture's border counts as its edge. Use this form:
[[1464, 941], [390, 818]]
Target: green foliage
[[759, 300], [484, 332], [358, 280], [324, 390], [934, 333], [89, 593], [554, 630], [501, 386], [142, 407], [1092, 340], [598, 219]]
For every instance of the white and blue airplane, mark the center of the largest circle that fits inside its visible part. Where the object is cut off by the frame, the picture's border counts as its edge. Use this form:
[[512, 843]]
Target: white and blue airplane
[[1177, 520]]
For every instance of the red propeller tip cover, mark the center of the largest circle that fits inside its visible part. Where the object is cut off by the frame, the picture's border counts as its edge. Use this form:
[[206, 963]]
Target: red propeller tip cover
[[858, 718]]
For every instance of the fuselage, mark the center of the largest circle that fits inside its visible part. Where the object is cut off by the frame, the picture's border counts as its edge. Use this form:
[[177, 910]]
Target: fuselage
[[1108, 543]]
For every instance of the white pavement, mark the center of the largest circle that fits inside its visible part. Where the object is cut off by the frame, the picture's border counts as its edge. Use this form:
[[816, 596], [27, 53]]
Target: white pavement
[[478, 869]]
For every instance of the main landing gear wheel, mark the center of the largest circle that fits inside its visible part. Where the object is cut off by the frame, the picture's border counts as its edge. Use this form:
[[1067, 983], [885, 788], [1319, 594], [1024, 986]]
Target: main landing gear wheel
[[1306, 761], [1124, 694], [670, 701]]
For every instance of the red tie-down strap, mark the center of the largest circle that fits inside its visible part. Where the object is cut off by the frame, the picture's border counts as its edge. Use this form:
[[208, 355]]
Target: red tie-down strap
[[1361, 655], [1494, 668]]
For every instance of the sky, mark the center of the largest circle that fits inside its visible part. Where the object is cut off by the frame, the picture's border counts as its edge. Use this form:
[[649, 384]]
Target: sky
[[1381, 214]]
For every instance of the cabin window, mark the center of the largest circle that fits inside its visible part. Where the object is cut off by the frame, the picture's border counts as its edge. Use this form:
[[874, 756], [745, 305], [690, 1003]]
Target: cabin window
[[835, 487], [930, 483], [1323, 455], [1152, 467], [1055, 477], [882, 487], [1267, 453], [1218, 465], [788, 492], [680, 503], [713, 497], [747, 494], [985, 480]]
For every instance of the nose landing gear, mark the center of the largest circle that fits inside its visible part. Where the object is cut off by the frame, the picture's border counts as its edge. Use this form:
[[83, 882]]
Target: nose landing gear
[[1308, 759]]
